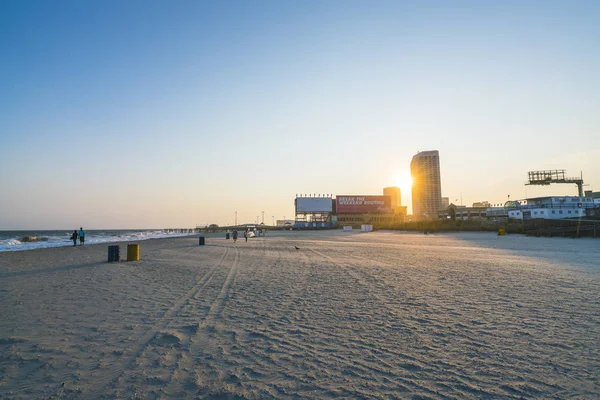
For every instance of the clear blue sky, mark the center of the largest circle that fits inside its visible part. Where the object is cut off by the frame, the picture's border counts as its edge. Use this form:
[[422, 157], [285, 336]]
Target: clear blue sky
[[142, 114]]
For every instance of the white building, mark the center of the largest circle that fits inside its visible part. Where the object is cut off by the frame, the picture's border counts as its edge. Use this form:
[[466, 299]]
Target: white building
[[552, 207], [283, 222]]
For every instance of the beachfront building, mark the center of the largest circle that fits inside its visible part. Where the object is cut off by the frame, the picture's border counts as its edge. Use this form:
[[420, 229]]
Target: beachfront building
[[464, 213], [377, 220], [550, 207], [358, 210], [394, 193], [396, 200], [313, 212], [282, 222], [593, 195], [427, 184]]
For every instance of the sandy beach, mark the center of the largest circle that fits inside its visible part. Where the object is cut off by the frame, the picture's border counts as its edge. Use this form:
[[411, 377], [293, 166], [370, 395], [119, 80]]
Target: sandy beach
[[363, 316]]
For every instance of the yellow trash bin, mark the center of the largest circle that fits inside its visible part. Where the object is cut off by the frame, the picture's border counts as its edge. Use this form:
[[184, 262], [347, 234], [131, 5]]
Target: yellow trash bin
[[501, 232], [133, 252]]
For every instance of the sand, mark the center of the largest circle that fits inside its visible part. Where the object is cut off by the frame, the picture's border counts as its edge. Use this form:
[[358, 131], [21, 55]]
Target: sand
[[376, 316]]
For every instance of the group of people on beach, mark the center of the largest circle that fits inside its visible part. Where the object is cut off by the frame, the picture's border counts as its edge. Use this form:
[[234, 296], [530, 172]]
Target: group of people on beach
[[235, 234], [80, 235]]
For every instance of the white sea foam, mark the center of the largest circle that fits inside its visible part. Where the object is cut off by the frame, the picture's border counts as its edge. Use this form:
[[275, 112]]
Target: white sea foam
[[92, 237], [8, 243]]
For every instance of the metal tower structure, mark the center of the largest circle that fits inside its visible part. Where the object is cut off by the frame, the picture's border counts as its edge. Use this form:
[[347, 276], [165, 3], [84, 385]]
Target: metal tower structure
[[544, 178]]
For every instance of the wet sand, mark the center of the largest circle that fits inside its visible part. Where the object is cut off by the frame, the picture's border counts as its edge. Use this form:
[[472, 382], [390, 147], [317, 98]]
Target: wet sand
[[376, 316]]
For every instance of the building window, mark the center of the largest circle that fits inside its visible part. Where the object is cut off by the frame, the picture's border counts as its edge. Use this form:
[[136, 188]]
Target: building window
[[553, 212], [569, 211], [560, 211], [541, 212]]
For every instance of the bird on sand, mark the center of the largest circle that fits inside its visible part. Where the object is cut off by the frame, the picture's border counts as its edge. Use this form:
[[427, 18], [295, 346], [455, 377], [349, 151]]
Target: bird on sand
[[297, 248]]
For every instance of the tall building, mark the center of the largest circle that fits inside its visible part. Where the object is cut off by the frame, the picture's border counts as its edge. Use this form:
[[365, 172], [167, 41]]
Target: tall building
[[427, 184], [394, 193]]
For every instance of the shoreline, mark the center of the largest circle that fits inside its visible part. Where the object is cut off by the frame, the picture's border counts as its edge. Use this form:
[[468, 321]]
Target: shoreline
[[11, 241]]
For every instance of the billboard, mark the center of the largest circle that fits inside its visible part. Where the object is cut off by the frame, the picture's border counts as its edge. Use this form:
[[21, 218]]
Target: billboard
[[363, 204], [314, 204]]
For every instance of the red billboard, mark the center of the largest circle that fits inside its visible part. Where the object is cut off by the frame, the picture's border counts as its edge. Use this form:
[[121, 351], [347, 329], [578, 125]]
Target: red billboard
[[363, 204]]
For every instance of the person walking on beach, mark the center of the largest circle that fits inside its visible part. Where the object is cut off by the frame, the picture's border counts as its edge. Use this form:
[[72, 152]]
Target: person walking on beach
[[74, 238], [246, 235], [235, 235], [81, 236]]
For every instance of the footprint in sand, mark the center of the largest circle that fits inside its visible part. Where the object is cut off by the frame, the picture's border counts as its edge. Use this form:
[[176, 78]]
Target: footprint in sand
[[166, 339]]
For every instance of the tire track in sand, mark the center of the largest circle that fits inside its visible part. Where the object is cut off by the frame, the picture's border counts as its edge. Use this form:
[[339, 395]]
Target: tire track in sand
[[185, 376], [216, 308], [232, 368], [129, 358]]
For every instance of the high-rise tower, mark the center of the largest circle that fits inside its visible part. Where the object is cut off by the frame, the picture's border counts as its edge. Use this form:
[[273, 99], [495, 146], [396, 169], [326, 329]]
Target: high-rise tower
[[427, 184]]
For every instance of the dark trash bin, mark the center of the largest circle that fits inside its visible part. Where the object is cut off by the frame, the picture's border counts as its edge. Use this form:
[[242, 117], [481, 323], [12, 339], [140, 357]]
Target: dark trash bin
[[114, 253], [227, 236], [201, 242]]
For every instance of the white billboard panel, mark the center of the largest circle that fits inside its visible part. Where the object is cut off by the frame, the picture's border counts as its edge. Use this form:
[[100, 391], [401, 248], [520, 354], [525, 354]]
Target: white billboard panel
[[314, 204]]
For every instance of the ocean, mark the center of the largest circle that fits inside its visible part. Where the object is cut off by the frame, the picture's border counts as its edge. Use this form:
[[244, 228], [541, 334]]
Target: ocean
[[29, 240]]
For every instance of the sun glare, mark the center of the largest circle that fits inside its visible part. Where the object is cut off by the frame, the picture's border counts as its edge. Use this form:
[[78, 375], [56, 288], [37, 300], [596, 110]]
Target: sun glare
[[404, 182]]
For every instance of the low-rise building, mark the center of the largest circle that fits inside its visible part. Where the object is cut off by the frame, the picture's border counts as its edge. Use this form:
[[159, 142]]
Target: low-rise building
[[550, 207], [357, 210], [378, 220], [282, 222], [463, 212]]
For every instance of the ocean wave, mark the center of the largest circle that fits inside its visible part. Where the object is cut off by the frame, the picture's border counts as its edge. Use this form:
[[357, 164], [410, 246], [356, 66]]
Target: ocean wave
[[28, 239], [21, 243], [9, 242]]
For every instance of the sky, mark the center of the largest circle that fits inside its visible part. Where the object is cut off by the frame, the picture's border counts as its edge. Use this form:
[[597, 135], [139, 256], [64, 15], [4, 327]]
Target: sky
[[164, 114]]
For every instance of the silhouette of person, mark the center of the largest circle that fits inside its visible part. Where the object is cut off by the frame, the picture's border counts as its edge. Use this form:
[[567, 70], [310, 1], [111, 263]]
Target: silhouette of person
[[74, 238], [246, 235], [81, 236], [235, 235]]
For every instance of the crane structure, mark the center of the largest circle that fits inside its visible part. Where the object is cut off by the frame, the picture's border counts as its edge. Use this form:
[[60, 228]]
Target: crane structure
[[547, 177]]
